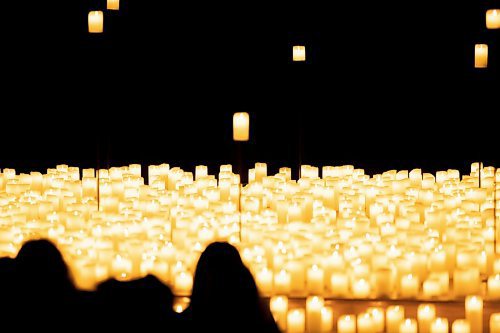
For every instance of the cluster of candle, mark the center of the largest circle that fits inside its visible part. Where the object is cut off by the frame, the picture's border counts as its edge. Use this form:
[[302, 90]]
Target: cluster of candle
[[403, 234], [318, 318]]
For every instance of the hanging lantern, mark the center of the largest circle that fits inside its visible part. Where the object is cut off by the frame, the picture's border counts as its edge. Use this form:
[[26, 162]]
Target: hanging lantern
[[299, 53], [241, 126], [96, 21], [481, 56]]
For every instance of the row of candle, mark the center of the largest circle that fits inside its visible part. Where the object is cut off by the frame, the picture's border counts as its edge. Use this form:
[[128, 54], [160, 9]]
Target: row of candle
[[316, 318], [397, 234]]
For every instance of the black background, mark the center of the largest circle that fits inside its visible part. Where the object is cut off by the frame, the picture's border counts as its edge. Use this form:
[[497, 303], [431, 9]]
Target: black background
[[385, 85]]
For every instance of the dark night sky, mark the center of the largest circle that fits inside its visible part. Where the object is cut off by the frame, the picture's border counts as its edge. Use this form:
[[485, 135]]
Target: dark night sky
[[382, 88]]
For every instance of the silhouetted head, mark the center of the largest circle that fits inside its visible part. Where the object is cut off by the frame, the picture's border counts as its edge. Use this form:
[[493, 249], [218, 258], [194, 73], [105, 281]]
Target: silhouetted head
[[224, 291], [40, 267]]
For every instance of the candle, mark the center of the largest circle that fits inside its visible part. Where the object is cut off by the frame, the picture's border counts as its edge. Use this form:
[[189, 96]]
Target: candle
[[279, 309], [495, 323], [339, 284], [474, 313], [241, 126], [361, 289], [460, 326], [314, 305], [439, 325], [315, 277], [96, 21], [299, 53], [346, 324], [183, 283], [481, 56], [264, 281], [365, 323], [282, 282], [409, 286], [113, 4], [426, 313], [408, 326], [326, 319], [431, 288], [378, 318], [394, 317], [494, 287], [296, 321], [493, 19]]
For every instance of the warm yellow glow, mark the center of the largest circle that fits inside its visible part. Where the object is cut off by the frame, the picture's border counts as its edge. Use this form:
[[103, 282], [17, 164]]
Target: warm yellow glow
[[96, 21], [408, 326], [113, 4], [493, 19], [241, 126], [299, 53], [481, 56]]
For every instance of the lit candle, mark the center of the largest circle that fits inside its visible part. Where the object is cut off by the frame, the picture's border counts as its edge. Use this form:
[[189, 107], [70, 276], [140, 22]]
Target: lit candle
[[264, 281], [361, 289], [96, 21], [378, 318], [460, 326], [315, 277], [326, 319], [481, 56], [409, 286], [394, 317], [431, 288], [346, 324], [494, 287], [296, 322], [339, 284], [299, 53], [113, 4], [183, 283], [282, 282], [474, 313], [241, 126], [314, 305], [365, 323], [493, 19], [439, 325], [279, 309], [426, 314], [495, 323], [408, 326]]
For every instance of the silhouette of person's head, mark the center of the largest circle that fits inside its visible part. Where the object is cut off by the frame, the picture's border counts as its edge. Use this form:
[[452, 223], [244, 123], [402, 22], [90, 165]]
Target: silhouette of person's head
[[225, 293], [40, 268]]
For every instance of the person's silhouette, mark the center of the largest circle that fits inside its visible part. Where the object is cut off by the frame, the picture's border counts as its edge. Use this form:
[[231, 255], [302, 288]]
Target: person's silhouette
[[144, 303], [225, 297], [44, 288], [6, 289]]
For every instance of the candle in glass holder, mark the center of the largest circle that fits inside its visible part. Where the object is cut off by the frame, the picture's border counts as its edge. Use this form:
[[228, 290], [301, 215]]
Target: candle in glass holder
[[279, 309], [460, 326], [361, 289], [481, 56], [494, 287], [183, 283], [426, 314], [314, 305], [96, 21], [493, 19], [241, 126], [495, 323], [326, 319], [394, 317], [296, 322], [474, 313], [315, 277], [299, 53], [113, 4], [378, 318], [431, 288], [264, 281], [408, 326], [409, 286], [346, 324], [439, 325]]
